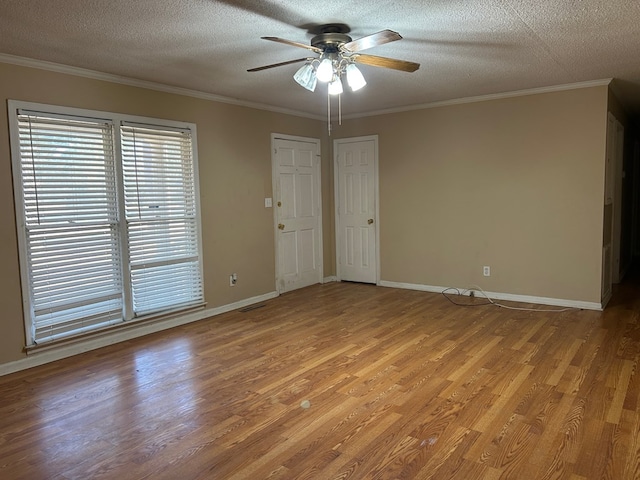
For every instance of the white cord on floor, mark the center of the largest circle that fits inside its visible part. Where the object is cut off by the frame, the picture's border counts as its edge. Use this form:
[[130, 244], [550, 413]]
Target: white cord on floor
[[496, 304]]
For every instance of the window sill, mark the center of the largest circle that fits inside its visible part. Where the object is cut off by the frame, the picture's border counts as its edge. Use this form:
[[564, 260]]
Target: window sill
[[123, 329]]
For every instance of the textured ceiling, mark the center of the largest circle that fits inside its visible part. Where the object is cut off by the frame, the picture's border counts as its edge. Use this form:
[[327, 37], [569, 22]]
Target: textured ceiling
[[466, 48]]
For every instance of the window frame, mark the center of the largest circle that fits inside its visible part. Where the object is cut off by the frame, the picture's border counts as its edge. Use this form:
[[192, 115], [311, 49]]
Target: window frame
[[118, 120]]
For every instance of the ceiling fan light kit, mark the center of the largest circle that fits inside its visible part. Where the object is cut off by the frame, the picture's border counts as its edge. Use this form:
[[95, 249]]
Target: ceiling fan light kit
[[338, 54], [330, 71], [355, 79], [335, 86], [325, 70], [306, 77]]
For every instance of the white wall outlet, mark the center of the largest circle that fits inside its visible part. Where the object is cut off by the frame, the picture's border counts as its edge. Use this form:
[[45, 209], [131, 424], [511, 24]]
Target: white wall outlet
[[486, 271], [233, 279], [268, 203]]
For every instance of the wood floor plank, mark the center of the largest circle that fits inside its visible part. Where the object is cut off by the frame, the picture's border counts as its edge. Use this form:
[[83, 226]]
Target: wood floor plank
[[352, 441], [344, 381], [621, 386], [476, 359], [505, 396], [565, 360], [530, 330], [432, 463], [631, 468]]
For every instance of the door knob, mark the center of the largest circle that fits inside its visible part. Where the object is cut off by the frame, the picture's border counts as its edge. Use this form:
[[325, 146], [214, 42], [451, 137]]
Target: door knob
[[370, 221], [281, 226]]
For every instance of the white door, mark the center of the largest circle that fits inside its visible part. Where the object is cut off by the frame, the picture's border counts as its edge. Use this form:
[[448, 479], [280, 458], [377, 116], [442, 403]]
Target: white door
[[356, 208], [297, 212]]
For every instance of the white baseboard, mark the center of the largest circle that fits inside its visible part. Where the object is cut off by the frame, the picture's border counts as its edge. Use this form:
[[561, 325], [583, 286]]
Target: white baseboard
[[330, 279], [47, 355], [557, 302]]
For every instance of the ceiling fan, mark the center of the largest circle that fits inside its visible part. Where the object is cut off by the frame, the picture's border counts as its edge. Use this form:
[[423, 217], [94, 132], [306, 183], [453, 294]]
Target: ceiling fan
[[337, 55]]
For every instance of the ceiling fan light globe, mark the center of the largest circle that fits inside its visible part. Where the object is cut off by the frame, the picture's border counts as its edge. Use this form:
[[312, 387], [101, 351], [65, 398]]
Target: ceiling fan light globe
[[355, 79], [306, 77], [335, 87], [325, 70]]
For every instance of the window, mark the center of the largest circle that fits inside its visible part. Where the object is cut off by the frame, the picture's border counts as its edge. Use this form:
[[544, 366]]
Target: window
[[108, 220]]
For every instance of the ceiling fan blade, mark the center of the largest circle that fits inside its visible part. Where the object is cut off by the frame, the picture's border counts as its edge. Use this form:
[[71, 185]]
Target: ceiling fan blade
[[385, 62], [373, 40], [292, 43], [257, 69]]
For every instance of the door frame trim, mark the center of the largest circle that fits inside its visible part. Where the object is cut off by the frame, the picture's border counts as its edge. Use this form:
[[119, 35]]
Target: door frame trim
[[619, 268], [336, 198], [274, 191]]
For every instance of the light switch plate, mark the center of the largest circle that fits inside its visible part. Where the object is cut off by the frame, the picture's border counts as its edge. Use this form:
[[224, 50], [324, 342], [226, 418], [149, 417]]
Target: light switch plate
[[268, 203]]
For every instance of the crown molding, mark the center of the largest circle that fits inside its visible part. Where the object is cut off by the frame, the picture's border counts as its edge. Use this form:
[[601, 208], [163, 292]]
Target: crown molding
[[485, 98], [133, 82]]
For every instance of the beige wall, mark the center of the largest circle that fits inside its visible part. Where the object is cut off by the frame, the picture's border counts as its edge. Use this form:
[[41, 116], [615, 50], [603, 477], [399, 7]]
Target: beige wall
[[516, 184], [235, 177]]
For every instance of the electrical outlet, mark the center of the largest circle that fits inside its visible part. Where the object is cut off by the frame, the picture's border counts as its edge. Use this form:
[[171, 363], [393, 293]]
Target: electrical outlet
[[486, 271], [233, 279]]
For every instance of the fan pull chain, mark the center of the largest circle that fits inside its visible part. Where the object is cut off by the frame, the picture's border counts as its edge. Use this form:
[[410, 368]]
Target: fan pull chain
[[329, 112], [340, 109]]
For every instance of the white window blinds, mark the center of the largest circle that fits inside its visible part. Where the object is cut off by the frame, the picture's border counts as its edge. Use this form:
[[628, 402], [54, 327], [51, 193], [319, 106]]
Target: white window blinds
[[109, 221], [70, 212], [160, 208]]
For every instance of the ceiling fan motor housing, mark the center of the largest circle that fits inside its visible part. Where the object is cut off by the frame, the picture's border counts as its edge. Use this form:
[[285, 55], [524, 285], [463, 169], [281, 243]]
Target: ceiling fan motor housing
[[330, 42]]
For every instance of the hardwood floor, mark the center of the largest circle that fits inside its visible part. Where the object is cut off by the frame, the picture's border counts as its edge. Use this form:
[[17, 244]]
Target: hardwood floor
[[342, 381]]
